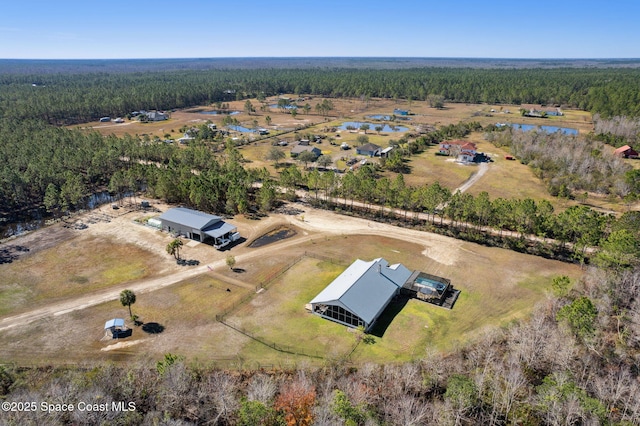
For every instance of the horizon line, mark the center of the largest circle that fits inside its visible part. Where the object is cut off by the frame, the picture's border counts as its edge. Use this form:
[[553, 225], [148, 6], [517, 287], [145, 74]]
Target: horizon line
[[333, 57]]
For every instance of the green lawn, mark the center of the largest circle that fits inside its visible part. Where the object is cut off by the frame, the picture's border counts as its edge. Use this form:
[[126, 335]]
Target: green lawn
[[497, 286]]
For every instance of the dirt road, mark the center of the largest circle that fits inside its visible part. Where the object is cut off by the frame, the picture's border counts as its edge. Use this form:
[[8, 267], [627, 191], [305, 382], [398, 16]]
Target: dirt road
[[316, 222], [482, 169]]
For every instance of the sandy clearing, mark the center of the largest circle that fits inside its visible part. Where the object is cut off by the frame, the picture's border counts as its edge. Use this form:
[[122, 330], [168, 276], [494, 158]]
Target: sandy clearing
[[316, 222]]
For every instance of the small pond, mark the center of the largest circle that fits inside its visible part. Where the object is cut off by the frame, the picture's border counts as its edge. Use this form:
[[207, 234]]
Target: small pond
[[372, 126], [281, 233], [386, 117], [240, 129], [219, 112], [548, 129]]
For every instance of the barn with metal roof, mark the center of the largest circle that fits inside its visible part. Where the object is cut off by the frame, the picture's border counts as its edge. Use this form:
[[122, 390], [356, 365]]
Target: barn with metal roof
[[196, 225], [359, 295]]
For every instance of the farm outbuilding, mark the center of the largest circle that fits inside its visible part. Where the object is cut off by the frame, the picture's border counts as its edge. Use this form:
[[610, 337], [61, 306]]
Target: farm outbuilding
[[198, 226], [626, 151]]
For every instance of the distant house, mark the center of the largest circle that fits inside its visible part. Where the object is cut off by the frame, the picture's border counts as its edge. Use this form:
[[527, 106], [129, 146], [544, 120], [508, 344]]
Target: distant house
[[369, 149], [198, 226], [625, 151], [464, 151], [358, 296], [298, 149], [156, 116]]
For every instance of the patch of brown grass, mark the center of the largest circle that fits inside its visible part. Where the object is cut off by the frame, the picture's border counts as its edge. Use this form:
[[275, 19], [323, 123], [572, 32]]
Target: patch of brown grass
[[75, 267]]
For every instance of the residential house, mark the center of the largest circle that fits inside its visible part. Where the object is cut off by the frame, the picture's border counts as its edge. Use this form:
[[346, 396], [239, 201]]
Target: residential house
[[358, 296], [157, 116], [298, 149], [369, 149], [464, 151]]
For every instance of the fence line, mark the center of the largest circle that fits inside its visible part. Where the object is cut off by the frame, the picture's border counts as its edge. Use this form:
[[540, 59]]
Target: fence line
[[273, 345], [264, 284], [268, 280]]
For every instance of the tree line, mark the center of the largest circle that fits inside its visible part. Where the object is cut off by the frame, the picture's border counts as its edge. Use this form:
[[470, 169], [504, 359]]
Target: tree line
[[576, 229], [68, 98]]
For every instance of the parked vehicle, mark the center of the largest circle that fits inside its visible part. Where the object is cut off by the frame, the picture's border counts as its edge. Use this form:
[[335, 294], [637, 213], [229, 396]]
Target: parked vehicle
[[223, 242]]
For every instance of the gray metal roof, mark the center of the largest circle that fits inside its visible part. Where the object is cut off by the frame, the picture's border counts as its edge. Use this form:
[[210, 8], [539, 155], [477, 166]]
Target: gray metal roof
[[191, 218], [365, 288], [369, 147], [219, 229], [298, 149]]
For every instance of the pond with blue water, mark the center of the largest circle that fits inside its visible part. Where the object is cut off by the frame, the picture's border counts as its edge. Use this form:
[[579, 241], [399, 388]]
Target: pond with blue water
[[240, 129], [548, 129], [372, 126], [219, 112], [386, 117]]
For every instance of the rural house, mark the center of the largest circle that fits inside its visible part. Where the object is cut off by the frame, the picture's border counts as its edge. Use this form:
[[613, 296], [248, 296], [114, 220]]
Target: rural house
[[464, 151], [300, 148], [369, 149], [358, 296], [198, 226], [625, 151]]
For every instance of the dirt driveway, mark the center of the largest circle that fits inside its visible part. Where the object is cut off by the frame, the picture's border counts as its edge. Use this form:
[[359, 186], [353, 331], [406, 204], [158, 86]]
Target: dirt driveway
[[124, 228]]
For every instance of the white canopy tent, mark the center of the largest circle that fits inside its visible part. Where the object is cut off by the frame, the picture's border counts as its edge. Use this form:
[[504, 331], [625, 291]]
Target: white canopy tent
[[114, 323]]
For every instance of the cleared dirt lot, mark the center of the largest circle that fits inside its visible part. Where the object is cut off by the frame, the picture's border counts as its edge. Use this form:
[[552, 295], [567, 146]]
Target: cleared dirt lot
[[184, 300]]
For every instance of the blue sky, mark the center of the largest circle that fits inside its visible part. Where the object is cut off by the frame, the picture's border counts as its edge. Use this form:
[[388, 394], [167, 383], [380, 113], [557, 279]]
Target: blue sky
[[92, 29]]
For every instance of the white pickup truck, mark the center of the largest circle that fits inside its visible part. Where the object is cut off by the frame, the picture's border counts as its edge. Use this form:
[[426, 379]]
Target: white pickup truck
[[223, 242]]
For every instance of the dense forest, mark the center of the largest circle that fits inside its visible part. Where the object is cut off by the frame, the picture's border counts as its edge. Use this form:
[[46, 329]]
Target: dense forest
[[74, 98]]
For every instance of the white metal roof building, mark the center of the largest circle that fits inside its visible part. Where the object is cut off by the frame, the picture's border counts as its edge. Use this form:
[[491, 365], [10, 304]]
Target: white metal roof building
[[195, 225], [359, 295]]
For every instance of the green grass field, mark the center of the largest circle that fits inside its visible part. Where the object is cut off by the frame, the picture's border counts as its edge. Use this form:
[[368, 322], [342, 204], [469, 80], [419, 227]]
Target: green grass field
[[497, 286]]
